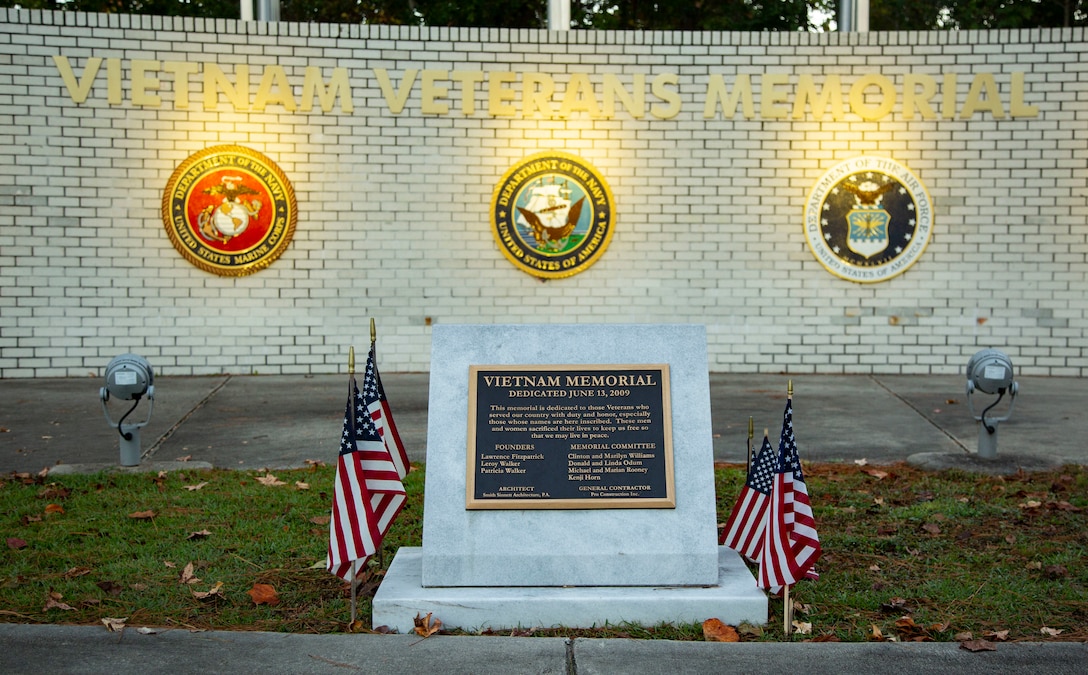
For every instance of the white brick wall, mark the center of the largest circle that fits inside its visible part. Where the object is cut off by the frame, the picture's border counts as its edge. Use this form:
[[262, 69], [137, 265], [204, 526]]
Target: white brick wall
[[394, 208]]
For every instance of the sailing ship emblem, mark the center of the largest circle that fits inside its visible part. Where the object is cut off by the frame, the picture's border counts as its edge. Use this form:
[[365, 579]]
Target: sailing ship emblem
[[552, 215]]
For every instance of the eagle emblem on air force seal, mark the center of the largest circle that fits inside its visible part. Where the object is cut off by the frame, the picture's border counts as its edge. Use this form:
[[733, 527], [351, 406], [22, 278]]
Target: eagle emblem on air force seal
[[229, 210], [868, 219], [552, 215]]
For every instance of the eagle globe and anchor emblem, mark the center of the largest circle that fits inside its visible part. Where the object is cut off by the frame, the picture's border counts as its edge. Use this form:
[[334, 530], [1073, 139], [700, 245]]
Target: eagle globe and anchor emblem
[[552, 215], [868, 219], [231, 216], [229, 210]]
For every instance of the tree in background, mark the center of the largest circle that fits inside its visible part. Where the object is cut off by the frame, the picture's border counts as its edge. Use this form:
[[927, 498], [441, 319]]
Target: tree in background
[[975, 14], [744, 15], [724, 15]]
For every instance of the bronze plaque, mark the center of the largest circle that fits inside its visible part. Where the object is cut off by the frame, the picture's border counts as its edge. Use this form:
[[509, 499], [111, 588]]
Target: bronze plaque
[[569, 437]]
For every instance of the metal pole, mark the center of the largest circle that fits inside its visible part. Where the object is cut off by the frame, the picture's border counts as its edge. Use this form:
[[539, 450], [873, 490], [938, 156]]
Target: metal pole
[[846, 16], [268, 10], [558, 14]]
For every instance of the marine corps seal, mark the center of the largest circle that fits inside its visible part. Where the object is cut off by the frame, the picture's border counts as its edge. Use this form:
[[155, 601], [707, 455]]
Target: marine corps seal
[[868, 219], [229, 210], [552, 215]]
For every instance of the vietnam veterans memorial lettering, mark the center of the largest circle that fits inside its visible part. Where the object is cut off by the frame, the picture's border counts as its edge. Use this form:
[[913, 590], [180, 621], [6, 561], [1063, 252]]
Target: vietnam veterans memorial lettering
[[569, 437]]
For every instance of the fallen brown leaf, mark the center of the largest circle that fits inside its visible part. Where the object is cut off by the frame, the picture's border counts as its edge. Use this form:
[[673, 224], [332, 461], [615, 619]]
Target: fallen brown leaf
[[187, 575], [142, 515], [978, 646], [997, 636], [299, 485], [15, 543], [716, 631], [269, 479], [425, 626], [54, 508], [114, 625], [1051, 632], [74, 572], [191, 488], [53, 601], [110, 587], [199, 535], [802, 627], [214, 591], [264, 594]]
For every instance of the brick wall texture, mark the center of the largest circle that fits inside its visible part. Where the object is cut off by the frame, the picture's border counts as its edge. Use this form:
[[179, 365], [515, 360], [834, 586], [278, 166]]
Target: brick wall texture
[[394, 176]]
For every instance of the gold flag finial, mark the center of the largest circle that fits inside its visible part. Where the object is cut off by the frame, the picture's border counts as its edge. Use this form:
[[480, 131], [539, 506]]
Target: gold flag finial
[[789, 389], [351, 360], [373, 332]]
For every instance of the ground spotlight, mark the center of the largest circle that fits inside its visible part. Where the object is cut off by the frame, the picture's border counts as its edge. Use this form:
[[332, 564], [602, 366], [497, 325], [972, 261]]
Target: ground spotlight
[[128, 378], [990, 372]]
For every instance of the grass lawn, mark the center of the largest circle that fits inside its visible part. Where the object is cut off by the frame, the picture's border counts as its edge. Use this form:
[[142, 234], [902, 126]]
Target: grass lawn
[[907, 554]]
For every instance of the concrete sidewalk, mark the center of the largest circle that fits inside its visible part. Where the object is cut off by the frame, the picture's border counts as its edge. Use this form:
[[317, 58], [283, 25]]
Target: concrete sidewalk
[[92, 649], [252, 422]]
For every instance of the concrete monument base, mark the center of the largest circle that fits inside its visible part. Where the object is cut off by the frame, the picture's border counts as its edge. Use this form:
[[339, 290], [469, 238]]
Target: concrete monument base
[[402, 596]]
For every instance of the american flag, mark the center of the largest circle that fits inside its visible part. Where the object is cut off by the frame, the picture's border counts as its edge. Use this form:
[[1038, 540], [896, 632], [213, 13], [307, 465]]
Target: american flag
[[368, 493], [790, 545], [388, 430], [744, 530]]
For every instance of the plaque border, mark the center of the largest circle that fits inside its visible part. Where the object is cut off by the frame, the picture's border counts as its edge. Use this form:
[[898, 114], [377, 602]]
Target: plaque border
[[588, 503]]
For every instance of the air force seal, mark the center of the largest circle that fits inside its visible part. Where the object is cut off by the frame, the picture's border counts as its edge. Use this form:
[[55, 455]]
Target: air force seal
[[552, 215], [229, 210], [868, 219]]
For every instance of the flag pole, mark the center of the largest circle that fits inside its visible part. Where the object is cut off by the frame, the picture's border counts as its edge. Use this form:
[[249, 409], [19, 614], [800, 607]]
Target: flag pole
[[374, 348], [751, 433], [786, 607], [351, 416]]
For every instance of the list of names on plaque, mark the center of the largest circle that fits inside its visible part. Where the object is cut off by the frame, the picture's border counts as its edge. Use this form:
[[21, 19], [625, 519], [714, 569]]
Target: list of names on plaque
[[570, 437]]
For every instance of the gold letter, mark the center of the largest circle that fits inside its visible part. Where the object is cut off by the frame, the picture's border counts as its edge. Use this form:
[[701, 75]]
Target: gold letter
[[831, 93], [579, 96], [742, 91], [274, 75], [215, 78], [666, 95], [468, 80], [78, 91], [429, 92], [948, 96], [113, 81], [634, 102], [181, 70], [887, 96], [313, 85], [1017, 108], [141, 83], [497, 94], [769, 99], [536, 94], [913, 99], [983, 82], [396, 101]]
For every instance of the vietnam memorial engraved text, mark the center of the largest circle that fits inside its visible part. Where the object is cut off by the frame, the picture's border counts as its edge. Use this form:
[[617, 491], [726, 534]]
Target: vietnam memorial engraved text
[[554, 437]]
